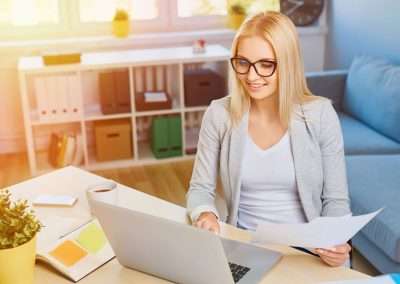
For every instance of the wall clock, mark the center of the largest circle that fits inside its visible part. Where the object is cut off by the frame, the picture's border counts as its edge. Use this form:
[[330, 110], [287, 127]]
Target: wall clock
[[302, 12]]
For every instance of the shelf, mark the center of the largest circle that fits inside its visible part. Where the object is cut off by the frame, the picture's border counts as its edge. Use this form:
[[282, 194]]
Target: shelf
[[123, 58], [197, 108], [146, 155], [149, 69], [42, 162], [157, 112], [95, 165], [94, 113], [144, 151], [191, 138], [36, 122]]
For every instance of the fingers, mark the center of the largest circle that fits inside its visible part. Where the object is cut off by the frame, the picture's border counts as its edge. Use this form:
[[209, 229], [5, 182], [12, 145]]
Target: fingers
[[208, 225], [335, 251], [334, 262], [335, 256], [331, 258]]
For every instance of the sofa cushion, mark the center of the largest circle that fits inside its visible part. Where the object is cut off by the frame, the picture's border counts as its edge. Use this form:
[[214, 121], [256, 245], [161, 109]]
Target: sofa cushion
[[360, 139], [372, 94], [374, 182]]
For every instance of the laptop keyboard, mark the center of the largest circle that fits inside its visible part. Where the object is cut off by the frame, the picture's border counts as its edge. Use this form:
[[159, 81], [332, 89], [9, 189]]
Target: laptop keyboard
[[238, 271]]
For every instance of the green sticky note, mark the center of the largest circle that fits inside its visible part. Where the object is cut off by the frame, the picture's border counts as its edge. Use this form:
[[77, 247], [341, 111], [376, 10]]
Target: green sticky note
[[92, 238]]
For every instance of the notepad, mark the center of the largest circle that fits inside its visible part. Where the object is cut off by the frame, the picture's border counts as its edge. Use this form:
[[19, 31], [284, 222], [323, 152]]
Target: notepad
[[54, 200], [92, 238], [79, 252], [68, 253]]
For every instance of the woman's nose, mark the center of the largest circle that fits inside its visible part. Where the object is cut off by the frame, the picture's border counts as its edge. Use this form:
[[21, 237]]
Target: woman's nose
[[252, 75]]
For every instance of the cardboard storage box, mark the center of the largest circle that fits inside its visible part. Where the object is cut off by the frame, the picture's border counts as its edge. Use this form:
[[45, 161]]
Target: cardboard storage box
[[202, 86], [113, 139], [143, 104]]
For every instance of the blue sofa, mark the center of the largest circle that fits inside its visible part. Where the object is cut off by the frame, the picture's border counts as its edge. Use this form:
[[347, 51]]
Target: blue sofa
[[367, 99]]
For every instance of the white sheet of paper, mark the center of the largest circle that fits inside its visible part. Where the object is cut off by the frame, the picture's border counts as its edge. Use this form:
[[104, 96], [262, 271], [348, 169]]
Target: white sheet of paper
[[151, 97], [322, 232], [386, 279], [55, 227]]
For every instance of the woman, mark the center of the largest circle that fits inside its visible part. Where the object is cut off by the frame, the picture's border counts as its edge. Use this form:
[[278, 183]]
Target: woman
[[277, 147]]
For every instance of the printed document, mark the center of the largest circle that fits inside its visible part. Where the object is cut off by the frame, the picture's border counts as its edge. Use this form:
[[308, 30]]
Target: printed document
[[322, 232]]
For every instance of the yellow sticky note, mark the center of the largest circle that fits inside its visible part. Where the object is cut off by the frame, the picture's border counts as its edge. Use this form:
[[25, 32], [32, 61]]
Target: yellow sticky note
[[68, 253], [92, 238]]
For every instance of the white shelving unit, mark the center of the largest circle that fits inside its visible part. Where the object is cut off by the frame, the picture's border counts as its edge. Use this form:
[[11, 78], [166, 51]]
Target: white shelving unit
[[174, 60]]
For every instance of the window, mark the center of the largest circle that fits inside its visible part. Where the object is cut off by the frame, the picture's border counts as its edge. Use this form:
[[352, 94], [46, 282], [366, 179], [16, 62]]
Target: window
[[39, 19], [201, 8], [29, 12], [96, 11]]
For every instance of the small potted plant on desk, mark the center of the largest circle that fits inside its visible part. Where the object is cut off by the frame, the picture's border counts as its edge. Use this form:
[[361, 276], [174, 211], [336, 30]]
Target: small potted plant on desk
[[237, 12], [18, 233], [121, 23]]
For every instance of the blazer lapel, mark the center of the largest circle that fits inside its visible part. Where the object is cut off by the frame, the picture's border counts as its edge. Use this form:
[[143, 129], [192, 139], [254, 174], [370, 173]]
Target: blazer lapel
[[237, 144], [299, 132]]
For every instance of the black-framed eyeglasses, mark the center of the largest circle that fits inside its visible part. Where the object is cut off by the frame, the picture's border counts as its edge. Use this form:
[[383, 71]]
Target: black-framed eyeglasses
[[263, 67]]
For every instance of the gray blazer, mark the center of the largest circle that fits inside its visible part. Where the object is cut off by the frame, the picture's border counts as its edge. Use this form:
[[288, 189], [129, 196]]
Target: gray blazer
[[317, 147]]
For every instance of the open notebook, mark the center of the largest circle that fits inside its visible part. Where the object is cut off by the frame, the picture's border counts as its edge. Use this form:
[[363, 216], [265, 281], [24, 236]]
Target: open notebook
[[79, 252]]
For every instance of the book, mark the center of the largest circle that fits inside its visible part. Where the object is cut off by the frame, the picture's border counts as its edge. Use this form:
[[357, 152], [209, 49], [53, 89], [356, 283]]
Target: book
[[54, 148], [77, 253], [78, 157], [69, 151], [65, 149]]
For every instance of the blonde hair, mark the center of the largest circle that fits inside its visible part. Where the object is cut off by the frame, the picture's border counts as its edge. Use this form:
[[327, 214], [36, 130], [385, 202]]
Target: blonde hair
[[280, 32]]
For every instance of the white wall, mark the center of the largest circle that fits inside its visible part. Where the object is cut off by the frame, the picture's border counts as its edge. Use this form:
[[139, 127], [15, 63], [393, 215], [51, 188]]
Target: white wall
[[11, 121], [362, 27]]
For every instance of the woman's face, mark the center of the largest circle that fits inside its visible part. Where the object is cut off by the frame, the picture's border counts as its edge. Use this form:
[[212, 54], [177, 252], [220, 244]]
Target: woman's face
[[262, 83]]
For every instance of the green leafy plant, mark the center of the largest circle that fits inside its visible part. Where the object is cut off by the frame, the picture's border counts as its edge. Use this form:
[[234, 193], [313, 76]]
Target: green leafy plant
[[121, 15], [239, 7], [18, 224]]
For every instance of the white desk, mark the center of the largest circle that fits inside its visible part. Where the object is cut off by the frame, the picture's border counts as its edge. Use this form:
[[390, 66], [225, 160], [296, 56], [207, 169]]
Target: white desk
[[295, 266]]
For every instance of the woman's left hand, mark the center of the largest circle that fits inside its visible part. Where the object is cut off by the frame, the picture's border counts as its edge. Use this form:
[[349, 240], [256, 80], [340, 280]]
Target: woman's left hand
[[335, 256]]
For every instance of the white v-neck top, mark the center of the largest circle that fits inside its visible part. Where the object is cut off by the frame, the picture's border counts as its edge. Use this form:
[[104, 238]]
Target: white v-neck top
[[268, 190]]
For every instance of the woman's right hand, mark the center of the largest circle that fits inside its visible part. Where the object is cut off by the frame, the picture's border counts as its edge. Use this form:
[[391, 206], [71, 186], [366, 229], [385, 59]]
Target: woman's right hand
[[208, 221]]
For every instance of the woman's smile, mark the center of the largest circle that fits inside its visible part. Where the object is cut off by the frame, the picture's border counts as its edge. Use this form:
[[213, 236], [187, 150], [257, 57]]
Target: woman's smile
[[255, 87]]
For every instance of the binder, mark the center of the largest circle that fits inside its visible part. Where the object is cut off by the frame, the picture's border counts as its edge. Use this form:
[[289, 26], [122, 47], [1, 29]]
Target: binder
[[74, 97], [175, 135], [166, 140], [40, 89], [62, 98], [159, 137], [52, 91], [123, 102], [114, 92]]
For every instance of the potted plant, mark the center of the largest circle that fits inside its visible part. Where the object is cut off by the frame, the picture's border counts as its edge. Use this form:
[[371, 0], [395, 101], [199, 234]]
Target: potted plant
[[237, 12], [121, 23], [18, 231]]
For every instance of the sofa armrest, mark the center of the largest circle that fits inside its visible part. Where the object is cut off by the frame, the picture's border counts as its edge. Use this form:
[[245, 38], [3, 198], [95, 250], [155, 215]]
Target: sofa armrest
[[329, 84]]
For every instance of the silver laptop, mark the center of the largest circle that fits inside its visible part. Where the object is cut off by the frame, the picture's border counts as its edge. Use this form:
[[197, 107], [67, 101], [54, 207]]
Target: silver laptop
[[178, 252]]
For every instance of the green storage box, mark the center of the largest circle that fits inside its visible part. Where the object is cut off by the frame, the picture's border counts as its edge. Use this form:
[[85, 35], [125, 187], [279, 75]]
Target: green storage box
[[166, 138]]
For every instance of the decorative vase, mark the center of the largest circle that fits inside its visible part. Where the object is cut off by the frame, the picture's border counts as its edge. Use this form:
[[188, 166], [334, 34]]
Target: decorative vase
[[235, 20], [17, 264], [121, 28]]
